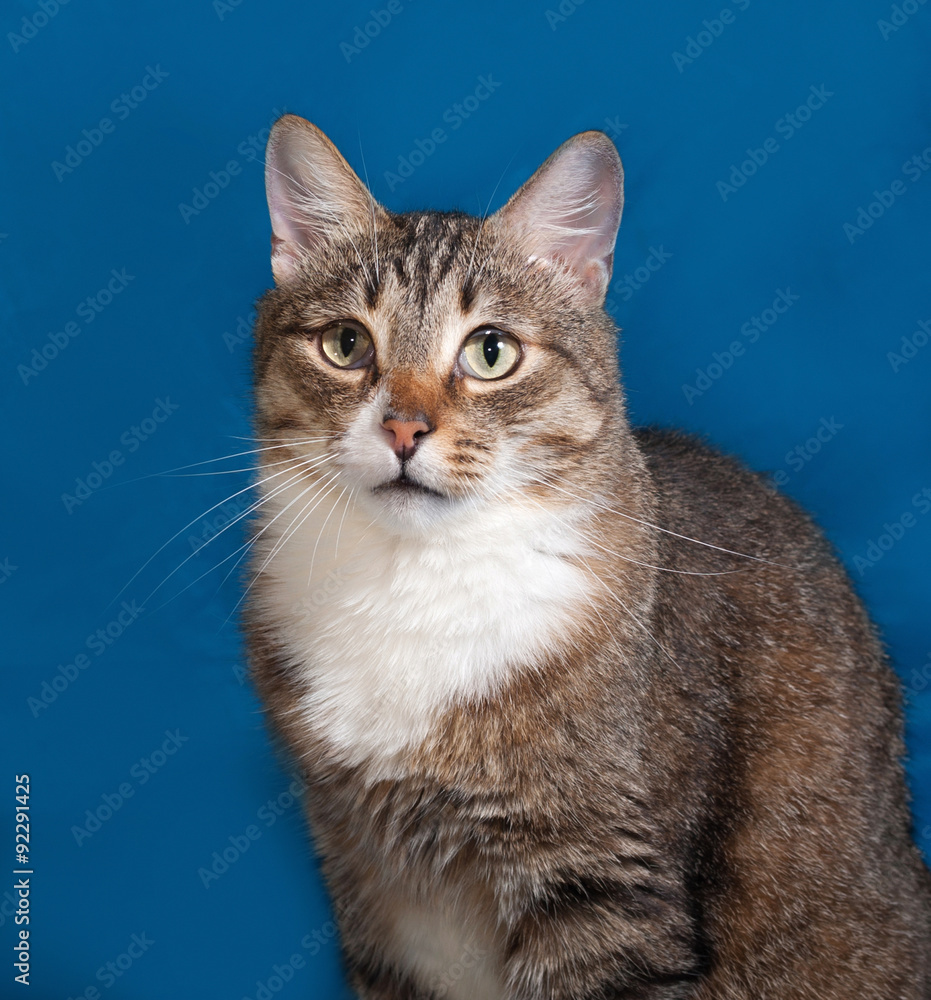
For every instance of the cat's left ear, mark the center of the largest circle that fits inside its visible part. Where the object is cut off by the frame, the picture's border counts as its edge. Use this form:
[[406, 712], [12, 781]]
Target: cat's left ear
[[569, 211]]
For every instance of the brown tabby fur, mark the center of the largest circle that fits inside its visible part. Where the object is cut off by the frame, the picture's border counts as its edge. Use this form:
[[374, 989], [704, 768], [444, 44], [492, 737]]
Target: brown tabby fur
[[699, 793]]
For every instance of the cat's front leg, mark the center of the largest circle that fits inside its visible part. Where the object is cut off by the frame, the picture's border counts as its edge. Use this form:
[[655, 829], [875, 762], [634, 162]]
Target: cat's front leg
[[603, 938]]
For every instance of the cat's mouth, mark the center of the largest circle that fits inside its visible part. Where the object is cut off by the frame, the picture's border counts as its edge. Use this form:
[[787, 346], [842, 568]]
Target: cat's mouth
[[404, 485]]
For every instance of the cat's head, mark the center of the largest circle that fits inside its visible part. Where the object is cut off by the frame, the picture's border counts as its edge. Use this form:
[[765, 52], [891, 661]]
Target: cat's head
[[435, 362]]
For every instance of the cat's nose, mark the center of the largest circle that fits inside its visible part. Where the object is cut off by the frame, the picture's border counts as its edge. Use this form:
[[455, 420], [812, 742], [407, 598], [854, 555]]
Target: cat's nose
[[405, 435]]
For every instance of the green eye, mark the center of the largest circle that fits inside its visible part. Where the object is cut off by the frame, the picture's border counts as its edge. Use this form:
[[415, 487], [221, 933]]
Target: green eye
[[490, 354], [347, 346]]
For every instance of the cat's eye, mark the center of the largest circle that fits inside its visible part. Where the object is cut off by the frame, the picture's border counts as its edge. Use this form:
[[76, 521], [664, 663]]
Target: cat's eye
[[347, 346], [490, 354]]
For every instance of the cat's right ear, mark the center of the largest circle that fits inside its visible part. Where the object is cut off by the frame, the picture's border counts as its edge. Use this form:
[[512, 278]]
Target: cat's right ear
[[312, 194]]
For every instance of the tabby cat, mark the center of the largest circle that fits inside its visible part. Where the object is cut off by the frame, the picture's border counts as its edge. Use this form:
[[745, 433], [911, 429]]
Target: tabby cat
[[584, 712]]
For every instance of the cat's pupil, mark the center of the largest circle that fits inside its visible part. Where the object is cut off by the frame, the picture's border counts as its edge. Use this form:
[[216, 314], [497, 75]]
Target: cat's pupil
[[347, 341], [491, 349]]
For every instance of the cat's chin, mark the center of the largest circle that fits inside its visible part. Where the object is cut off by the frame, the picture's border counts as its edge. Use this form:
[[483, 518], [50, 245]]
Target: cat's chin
[[410, 506]]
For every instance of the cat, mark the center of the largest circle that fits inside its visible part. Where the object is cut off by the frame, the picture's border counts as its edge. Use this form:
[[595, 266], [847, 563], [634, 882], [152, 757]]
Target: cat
[[584, 711]]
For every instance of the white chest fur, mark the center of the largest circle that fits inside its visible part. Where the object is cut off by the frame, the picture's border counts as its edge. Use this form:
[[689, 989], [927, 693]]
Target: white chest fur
[[389, 630], [453, 954]]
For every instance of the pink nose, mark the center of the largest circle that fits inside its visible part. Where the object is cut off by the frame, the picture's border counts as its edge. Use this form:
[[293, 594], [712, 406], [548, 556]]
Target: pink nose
[[405, 435]]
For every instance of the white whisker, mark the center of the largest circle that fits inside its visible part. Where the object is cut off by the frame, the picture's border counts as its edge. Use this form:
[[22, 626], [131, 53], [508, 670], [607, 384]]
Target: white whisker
[[372, 205], [611, 594], [190, 523], [289, 531], [173, 473], [313, 555], [303, 467], [339, 530], [655, 527], [246, 546]]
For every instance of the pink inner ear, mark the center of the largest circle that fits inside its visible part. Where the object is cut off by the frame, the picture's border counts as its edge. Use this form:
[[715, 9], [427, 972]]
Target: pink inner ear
[[570, 210], [312, 192]]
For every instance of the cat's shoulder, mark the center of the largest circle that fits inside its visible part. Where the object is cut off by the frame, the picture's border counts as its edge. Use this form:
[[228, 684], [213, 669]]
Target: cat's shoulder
[[675, 456], [699, 487]]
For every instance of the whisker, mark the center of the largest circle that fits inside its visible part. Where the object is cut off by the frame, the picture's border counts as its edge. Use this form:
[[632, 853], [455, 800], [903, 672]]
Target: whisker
[[313, 555], [611, 594], [289, 531], [638, 562], [181, 531], [199, 517], [244, 548], [252, 541], [633, 617], [171, 473], [484, 216], [662, 569], [263, 500], [288, 440], [212, 569], [339, 530], [225, 472], [372, 204], [630, 517]]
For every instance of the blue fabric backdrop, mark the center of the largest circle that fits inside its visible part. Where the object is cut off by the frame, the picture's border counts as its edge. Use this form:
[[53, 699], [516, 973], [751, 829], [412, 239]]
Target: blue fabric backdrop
[[771, 280]]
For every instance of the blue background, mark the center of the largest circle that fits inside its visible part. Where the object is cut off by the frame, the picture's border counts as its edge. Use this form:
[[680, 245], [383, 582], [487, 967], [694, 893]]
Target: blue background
[[170, 334]]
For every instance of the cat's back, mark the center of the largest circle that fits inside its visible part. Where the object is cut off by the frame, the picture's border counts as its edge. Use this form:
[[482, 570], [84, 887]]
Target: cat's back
[[742, 549], [727, 504], [808, 764]]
